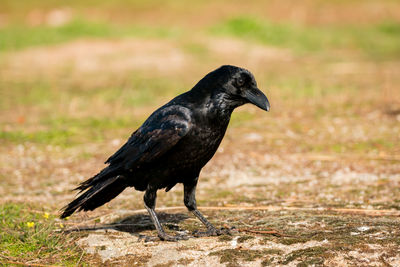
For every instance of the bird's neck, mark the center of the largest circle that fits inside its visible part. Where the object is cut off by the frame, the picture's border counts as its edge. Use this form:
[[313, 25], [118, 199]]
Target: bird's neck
[[216, 110], [214, 104], [221, 105]]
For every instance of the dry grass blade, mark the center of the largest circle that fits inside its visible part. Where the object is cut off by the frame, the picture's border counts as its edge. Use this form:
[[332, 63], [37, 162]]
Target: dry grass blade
[[263, 232], [30, 264]]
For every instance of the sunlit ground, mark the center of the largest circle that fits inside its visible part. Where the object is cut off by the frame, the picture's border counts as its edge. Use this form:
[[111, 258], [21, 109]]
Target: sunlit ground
[[321, 169]]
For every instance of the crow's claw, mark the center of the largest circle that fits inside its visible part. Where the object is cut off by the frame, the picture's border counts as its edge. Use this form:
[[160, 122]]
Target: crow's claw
[[198, 233], [173, 238], [228, 231], [147, 238], [163, 238], [214, 232]]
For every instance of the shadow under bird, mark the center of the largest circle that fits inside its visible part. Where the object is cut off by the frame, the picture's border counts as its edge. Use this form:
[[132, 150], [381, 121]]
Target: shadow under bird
[[173, 145]]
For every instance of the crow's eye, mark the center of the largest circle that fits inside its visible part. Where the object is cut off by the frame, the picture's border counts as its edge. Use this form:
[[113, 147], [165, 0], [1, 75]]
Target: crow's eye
[[240, 82]]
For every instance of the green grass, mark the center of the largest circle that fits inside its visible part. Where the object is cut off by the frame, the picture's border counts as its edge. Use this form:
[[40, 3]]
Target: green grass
[[21, 93], [107, 123], [232, 256], [132, 90], [57, 126], [52, 136], [67, 131], [381, 40], [19, 36], [308, 256], [53, 124], [267, 32], [27, 235]]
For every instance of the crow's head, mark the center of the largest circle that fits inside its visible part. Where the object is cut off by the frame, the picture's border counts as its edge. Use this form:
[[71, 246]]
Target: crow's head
[[235, 86]]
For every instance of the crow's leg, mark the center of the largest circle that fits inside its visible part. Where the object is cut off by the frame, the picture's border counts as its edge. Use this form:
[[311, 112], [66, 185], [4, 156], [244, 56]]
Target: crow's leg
[[190, 202], [150, 203]]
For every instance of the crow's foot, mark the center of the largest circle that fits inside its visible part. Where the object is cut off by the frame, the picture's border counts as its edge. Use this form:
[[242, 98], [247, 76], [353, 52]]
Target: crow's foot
[[164, 237], [146, 238], [215, 232], [172, 238]]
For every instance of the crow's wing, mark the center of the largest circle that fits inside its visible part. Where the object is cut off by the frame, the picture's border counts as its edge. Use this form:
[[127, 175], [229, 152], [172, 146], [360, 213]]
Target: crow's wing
[[150, 141]]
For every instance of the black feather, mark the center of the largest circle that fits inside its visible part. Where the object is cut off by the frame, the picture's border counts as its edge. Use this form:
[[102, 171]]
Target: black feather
[[175, 142]]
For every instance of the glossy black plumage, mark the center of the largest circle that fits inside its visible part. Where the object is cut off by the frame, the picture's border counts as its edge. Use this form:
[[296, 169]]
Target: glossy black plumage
[[174, 143]]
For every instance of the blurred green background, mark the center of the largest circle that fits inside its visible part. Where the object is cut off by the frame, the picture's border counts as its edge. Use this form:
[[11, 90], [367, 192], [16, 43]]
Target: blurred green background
[[71, 71]]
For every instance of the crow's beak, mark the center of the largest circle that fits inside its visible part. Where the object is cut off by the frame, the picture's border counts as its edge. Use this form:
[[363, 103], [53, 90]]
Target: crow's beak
[[256, 97]]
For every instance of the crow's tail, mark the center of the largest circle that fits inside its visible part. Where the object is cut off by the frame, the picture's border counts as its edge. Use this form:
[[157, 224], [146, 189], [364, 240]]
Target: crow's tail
[[100, 189]]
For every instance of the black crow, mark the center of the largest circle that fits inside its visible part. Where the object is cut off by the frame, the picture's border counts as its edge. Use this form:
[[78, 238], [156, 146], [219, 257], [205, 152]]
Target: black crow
[[173, 145]]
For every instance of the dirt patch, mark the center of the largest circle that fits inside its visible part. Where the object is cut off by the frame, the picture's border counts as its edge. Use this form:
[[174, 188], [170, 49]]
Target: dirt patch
[[113, 245], [319, 238], [93, 56], [253, 53]]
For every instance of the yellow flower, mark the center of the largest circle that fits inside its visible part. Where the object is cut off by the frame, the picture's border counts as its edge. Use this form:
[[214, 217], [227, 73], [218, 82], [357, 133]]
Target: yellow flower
[[46, 215], [61, 225], [30, 224], [66, 218]]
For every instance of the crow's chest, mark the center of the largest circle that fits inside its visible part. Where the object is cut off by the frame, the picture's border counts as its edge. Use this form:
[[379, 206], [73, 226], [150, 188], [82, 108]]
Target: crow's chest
[[197, 147], [206, 138]]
